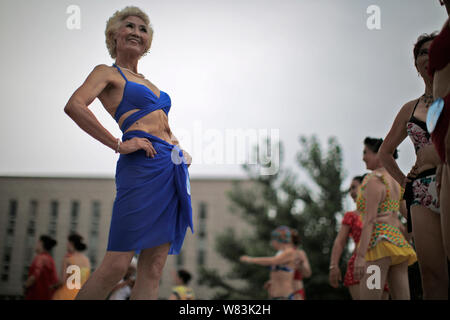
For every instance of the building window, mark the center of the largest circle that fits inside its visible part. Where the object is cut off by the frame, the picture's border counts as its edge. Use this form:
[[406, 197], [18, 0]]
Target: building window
[[9, 239], [180, 260], [30, 238], [74, 213], [93, 233], [202, 236], [52, 227]]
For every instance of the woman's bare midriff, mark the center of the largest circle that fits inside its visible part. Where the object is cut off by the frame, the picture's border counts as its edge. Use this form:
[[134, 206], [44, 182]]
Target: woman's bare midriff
[[155, 123], [427, 158], [281, 284]]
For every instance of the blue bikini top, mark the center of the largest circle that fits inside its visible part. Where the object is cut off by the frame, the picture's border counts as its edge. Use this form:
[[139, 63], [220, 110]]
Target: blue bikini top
[[139, 96], [280, 267]]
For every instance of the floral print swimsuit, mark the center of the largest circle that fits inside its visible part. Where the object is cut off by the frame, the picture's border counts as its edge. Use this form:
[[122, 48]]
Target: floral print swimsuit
[[424, 186]]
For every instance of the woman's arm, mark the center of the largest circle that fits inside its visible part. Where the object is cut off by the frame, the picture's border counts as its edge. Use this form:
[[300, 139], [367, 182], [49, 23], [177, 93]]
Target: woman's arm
[[282, 258], [305, 267], [29, 282], [77, 106], [373, 195], [338, 247], [77, 109], [393, 139]]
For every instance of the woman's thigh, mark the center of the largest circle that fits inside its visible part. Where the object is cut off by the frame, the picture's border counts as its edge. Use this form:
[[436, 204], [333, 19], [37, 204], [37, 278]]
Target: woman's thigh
[[367, 292], [354, 291], [398, 281], [428, 240]]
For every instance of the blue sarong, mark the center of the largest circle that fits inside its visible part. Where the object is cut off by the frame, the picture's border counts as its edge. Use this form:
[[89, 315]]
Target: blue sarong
[[153, 200]]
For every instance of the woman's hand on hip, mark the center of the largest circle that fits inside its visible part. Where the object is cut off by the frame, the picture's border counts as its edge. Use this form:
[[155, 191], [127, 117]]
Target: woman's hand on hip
[[135, 144]]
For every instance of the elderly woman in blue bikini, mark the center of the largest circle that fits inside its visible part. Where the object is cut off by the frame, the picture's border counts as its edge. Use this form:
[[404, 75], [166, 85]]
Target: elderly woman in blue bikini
[[152, 208]]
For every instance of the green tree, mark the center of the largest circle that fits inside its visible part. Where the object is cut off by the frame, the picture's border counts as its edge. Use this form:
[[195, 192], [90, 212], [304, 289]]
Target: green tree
[[279, 199]]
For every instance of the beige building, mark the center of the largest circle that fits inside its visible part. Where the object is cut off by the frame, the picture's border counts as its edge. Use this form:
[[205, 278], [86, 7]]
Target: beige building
[[31, 206]]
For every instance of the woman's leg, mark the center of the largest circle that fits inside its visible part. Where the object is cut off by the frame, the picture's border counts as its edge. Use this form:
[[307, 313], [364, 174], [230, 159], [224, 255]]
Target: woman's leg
[[367, 293], [112, 269], [354, 291], [398, 281], [385, 295], [149, 271], [430, 252]]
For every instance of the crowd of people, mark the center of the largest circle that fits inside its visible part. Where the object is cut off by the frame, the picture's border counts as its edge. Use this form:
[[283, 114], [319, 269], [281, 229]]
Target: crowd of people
[[44, 283], [161, 211], [385, 194]]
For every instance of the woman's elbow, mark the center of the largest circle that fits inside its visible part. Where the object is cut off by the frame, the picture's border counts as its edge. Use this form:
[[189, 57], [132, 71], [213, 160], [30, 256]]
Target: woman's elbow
[[307, 274], [72, 107]]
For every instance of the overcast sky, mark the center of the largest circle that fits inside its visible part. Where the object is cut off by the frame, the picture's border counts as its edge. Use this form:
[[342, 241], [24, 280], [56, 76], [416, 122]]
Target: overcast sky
[[297, 67]]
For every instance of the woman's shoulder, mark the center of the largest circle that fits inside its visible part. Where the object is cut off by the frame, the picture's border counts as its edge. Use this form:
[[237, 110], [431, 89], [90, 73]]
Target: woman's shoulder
[[374, 180], [407, 109], [81, 258], [103, 70]]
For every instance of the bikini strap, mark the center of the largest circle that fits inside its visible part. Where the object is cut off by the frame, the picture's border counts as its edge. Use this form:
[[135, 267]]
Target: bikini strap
[[117, 67], [414, 110]]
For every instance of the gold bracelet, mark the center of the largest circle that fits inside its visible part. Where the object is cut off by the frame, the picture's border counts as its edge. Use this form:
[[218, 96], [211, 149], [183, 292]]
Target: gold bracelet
[[118, 145]]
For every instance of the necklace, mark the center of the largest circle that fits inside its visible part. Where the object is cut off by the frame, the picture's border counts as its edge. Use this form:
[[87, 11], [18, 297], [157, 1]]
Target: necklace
[[427, 99], [136, 74]]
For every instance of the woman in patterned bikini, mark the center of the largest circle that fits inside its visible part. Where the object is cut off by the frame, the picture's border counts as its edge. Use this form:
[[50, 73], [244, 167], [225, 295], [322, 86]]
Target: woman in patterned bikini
[[420, 184], [382, 244]]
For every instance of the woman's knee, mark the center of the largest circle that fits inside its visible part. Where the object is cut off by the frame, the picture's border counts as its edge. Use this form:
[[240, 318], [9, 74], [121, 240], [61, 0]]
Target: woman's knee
[[152, 270], [114, 269]]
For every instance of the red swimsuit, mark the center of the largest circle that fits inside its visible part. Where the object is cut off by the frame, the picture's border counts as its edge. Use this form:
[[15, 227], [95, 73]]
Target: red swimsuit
[[354, 222]]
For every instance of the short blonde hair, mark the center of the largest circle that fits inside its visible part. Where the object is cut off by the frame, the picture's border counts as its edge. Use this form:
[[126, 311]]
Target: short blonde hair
[[112, 25]]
